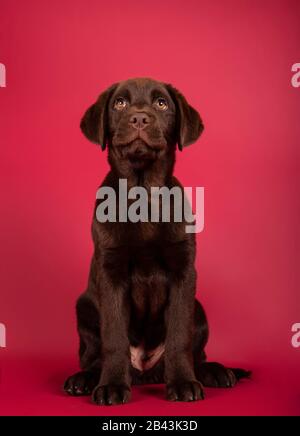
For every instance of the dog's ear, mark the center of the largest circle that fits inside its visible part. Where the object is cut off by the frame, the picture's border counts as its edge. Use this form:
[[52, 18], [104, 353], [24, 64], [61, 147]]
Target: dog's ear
[[94, 124], [188, 122]]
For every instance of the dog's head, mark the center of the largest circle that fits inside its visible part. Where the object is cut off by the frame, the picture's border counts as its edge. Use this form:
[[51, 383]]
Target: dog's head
[[140, 120]]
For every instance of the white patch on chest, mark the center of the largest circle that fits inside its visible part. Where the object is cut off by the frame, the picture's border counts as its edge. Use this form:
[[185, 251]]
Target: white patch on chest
[[142, 359]]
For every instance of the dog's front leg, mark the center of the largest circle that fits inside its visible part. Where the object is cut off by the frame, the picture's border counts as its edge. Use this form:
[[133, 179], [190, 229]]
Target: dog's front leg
[[179, 366], [114, 384]]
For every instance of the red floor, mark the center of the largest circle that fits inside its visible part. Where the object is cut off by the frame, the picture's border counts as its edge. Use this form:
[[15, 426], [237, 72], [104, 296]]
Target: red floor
[[31, 386]]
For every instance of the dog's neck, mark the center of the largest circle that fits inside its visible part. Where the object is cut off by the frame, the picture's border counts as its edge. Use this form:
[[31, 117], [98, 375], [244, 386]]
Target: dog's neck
[[157, 174]]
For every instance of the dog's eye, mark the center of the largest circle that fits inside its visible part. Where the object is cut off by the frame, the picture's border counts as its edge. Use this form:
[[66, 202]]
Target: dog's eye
[[161, 104], [120, 103]]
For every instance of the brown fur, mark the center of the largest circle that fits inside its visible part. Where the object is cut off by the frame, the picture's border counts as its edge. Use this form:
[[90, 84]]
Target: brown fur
[[140, 299]]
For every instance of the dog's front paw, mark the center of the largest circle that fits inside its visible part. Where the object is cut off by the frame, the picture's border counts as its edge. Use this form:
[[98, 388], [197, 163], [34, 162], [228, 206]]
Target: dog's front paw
[[81, 383], [185, 391], [108, 395]]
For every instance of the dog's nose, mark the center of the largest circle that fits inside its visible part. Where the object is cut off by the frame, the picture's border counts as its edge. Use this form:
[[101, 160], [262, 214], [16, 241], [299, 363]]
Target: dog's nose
[[139, 120]]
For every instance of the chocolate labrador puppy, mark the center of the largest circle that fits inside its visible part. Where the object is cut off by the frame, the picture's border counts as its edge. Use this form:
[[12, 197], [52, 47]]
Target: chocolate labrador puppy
[[138, 320]]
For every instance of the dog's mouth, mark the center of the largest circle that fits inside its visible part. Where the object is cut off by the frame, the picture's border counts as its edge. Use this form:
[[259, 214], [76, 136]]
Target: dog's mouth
[[142, 139]]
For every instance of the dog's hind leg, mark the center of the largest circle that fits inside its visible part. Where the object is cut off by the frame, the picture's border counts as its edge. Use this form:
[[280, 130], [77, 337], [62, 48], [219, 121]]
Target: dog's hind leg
[[216, 375], [211, 374], [83, 382]]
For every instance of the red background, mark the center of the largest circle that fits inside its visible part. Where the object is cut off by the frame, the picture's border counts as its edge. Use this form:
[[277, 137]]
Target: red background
[[232, 60]]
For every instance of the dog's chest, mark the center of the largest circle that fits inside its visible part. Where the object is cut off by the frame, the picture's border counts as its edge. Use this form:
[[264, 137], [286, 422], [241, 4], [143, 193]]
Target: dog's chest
[[148, 283], [145, 231]]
